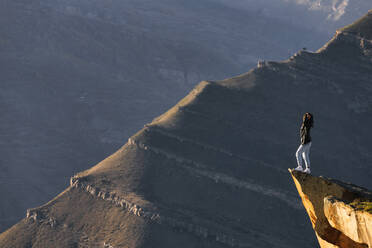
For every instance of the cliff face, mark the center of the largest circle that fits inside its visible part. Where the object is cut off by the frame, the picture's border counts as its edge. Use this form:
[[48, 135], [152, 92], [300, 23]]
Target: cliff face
[[341, 214]]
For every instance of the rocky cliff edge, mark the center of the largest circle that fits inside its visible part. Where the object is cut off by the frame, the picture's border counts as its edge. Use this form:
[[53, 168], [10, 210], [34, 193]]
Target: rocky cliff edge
[[340, 213]]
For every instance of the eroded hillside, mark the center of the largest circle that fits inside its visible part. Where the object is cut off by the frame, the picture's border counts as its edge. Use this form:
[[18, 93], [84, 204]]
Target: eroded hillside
[[77, 78], [211, 172]]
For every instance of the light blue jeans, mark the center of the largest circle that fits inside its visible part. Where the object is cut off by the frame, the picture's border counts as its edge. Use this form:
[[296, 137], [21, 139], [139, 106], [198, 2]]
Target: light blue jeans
[[302, 155]]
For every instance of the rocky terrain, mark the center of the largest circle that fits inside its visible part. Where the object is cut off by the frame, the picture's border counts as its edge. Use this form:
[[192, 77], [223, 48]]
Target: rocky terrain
[[340, 213], [211, 171], [78, 78]]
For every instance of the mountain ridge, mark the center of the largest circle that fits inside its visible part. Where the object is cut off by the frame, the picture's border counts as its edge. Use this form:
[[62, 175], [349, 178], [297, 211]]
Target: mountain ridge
[[214, 163], [362, 27], [92, 79]]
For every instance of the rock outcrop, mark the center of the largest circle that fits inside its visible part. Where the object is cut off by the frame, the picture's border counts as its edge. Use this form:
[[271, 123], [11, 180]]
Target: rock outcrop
[[194, 227], [340, 213]]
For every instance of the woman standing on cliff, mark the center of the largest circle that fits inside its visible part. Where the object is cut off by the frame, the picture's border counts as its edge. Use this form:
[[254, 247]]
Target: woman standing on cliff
[[303, 150]]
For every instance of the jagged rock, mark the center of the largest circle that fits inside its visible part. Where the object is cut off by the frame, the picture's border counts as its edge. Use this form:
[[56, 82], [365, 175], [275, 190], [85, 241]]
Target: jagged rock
[[32, 215], [354, 222], [331, 206], [107, 245], [52, 222]]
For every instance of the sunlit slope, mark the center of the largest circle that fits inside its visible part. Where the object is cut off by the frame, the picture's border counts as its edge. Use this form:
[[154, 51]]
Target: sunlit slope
[[211, 172], [362, 27], [79, 77]]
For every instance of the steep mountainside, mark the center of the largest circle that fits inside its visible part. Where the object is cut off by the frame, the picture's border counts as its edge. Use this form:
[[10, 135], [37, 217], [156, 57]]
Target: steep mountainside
[[211, 172], [341, 213], [75, 85]]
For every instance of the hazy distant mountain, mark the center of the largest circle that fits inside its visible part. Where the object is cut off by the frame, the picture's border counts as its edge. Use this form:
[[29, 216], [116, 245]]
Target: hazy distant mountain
[[324, 15], [211, 171], [77, 78]]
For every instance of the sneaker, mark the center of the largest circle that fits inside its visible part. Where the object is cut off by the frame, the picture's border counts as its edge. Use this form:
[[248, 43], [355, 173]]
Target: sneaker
[[299, 168], [307, 170]]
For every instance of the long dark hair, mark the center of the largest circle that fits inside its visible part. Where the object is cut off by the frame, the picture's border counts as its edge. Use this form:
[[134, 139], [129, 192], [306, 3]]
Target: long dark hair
[[308, 120]]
